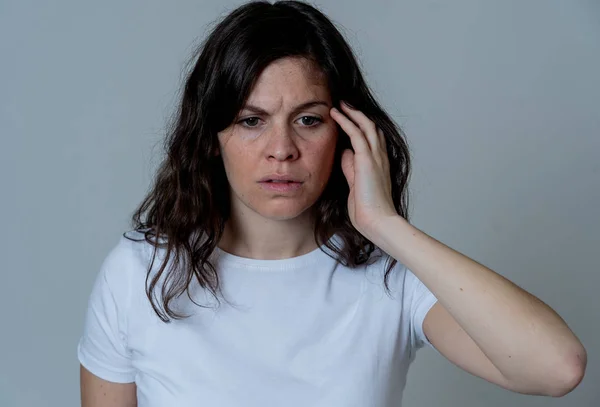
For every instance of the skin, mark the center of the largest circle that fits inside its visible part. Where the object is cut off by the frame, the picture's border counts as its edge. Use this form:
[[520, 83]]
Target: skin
[[284, 139], [511, 338], [97, 392]]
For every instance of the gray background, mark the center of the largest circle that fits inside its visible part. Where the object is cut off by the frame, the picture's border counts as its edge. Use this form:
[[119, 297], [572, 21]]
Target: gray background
[[500, 101]]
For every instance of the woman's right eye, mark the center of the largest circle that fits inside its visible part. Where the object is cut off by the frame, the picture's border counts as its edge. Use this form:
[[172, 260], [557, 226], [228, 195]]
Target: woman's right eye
[[250, 121]]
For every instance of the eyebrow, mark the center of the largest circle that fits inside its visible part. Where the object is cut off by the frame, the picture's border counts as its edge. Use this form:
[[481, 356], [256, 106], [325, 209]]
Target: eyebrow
[[312, 103]]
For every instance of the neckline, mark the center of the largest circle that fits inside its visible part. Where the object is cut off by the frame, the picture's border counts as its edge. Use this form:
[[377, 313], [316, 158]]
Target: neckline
[[290, 263]]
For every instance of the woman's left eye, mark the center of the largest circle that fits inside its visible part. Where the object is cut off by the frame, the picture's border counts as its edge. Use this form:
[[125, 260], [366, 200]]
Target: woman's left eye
[[312, 120]]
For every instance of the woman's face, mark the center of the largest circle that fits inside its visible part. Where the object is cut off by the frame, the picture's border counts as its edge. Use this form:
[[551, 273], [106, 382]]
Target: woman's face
[[284, 131]]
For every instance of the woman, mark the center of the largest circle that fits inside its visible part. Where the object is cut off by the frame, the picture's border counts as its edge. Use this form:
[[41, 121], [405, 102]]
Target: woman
[[273, 263]]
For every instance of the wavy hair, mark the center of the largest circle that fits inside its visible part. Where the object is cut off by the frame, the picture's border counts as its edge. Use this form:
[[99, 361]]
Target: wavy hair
[[187, 205]]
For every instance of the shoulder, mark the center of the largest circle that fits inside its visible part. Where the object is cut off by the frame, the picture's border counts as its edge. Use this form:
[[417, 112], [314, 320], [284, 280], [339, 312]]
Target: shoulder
[[397, 284], [127, 260], [378, 267]]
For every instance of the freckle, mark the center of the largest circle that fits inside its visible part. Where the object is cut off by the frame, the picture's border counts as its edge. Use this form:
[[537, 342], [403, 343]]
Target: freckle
[[461, 289], [509, 356]]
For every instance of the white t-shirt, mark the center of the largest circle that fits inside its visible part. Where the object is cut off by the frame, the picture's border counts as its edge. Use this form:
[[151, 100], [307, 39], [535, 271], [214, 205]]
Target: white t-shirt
[[297, 332]]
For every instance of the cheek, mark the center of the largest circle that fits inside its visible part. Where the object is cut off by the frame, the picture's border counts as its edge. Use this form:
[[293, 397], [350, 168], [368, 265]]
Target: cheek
[[327, 150], [323, 157], [237, 165]]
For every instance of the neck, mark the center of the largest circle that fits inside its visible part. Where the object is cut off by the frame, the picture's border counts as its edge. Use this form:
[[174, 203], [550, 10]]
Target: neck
[[267, 239]]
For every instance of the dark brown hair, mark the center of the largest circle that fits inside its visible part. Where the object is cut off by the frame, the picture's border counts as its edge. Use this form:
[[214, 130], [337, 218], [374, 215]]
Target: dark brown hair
[[188, 204]]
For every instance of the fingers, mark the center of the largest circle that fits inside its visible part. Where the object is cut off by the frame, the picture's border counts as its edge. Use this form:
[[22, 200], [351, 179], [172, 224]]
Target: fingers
[[364, 134], [366, 125], [358, 140], [384, 154], [348, 167]]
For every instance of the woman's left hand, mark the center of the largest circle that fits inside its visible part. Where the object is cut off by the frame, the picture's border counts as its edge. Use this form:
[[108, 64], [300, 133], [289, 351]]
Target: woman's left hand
[[367, 171]]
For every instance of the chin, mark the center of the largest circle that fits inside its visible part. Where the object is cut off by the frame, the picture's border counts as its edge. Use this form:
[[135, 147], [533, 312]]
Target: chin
[[284, 212]]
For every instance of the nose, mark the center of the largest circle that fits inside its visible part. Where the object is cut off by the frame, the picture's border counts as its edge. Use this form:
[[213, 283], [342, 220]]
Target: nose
[[281, 145]]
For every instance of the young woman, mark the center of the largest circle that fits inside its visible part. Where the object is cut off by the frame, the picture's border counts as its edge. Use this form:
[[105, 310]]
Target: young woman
[[273, 264]]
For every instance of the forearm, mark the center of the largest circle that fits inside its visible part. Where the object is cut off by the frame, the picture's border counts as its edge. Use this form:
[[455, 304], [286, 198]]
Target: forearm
[[521, 335]]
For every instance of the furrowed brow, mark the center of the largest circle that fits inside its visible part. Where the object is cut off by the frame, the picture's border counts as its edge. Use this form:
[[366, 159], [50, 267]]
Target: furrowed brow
[[312, 103]]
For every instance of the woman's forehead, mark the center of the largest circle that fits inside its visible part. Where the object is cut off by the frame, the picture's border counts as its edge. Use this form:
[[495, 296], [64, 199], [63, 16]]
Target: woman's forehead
[[292, 74]]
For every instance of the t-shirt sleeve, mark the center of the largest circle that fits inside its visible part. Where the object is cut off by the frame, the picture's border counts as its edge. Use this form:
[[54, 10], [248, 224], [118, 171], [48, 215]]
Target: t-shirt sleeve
[[102, 348], [421, 301]]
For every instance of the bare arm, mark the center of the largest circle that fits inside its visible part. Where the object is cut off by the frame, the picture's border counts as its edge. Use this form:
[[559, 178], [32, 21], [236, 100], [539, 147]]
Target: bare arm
[[96, 392], [485, 323]]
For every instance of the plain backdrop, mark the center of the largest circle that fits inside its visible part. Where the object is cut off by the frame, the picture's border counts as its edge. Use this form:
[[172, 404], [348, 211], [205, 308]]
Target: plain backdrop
[[500, 101]]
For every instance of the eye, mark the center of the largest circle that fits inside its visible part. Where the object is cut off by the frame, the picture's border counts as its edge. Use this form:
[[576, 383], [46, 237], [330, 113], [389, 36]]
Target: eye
[[311, 120], [250, 121], [307, 121]]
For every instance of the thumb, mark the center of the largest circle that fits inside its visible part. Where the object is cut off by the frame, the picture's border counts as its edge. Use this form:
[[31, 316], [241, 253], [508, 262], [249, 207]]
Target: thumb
[[348, 166]]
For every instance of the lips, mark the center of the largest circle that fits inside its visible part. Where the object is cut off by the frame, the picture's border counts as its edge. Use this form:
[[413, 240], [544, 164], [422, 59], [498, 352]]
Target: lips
[[281, 186], [282, 183], [281, 178]]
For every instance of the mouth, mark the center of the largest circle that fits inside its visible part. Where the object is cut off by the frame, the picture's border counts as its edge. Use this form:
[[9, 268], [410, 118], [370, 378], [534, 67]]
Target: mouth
[[281, 185]]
